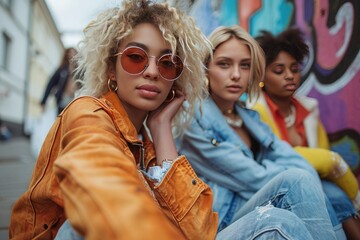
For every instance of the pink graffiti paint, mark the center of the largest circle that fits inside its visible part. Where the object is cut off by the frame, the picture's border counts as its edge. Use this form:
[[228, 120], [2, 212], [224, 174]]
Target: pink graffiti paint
[[246, 9], [331, 39]]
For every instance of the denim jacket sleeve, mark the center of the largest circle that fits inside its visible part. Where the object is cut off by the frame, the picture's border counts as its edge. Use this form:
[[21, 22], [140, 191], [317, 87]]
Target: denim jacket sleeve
[[219, 155]]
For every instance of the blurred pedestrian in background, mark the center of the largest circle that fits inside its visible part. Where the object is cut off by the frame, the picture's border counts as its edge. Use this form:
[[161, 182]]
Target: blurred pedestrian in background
[[62, 82]]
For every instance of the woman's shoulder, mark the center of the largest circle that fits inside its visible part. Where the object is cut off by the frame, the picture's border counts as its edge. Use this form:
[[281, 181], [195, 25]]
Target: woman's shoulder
[[89, 111], [207, 110], [247, 111], [86, 102], [86, 105], [307, 102]]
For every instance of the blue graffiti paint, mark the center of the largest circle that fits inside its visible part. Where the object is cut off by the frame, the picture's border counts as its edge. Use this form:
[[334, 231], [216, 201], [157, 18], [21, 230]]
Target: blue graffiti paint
[[274, 16]]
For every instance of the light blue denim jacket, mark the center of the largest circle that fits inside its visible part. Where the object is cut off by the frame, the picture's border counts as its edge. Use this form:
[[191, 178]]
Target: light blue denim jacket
[[227, 164]]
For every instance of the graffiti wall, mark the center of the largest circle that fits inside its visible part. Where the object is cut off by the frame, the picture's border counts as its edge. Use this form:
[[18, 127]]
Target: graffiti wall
[[331, 73]]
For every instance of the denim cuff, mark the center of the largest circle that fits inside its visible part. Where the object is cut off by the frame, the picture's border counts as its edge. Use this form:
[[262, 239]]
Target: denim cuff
[[157, 173]]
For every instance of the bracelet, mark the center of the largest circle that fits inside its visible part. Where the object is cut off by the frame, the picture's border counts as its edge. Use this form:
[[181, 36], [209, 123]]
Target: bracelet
[[167, 161]]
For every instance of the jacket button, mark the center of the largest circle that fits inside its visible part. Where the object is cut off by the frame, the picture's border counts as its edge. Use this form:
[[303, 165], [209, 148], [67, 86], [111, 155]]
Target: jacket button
[[214, 142], [193, 182], [45, 226]]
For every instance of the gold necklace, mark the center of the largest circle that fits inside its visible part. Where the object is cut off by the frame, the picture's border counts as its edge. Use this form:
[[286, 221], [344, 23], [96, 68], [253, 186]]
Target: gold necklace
[[228, 111]]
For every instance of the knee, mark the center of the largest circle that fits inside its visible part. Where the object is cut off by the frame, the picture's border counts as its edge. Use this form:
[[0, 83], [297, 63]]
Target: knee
[[302, 179], [278, 217], [297, 174]]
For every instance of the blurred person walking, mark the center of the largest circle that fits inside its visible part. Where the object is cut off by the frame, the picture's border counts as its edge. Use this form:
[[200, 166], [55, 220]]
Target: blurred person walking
[[63, 81]]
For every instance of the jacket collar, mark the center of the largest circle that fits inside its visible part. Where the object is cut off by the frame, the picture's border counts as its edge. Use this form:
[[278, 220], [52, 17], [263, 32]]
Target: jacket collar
[[128, 130], [212, 116], [310, 104], [121, 117]]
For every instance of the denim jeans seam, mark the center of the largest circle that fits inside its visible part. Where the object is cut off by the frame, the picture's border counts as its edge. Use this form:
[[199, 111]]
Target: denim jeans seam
[[270, 229]]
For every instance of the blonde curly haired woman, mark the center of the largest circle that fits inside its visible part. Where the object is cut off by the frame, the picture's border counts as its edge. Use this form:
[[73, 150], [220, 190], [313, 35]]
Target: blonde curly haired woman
[[97, 167]]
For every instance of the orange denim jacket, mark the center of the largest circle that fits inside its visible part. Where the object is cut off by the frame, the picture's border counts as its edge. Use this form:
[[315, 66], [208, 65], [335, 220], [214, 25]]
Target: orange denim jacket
[[88, 172]]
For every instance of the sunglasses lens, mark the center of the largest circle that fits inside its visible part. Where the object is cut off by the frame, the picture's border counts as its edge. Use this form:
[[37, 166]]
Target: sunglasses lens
[[134, 60], [170, 67]]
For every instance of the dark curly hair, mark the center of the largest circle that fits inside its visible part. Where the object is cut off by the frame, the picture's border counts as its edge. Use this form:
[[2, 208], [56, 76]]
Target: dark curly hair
[[290, 41]]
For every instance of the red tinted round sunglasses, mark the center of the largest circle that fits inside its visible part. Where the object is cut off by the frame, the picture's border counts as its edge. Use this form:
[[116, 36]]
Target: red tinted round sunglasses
[[134, 60]]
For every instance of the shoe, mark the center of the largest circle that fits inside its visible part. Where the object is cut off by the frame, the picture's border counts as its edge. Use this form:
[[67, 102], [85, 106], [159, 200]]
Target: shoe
[[5, 133]]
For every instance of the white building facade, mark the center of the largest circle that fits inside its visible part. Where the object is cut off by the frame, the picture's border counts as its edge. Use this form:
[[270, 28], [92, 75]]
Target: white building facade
[[30, 49], [14, 56]]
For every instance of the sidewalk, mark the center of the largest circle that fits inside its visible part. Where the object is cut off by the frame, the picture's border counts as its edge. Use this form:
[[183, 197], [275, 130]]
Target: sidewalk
[[16, 165]]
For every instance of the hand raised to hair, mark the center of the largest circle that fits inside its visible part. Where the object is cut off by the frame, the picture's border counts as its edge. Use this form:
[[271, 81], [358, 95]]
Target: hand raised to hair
[[164, 114], [159, 124]]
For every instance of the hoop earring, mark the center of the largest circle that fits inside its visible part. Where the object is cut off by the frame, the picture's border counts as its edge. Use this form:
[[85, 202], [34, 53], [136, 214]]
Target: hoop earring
[[171, 96], [112, 85], [207, 83], [261, 84]]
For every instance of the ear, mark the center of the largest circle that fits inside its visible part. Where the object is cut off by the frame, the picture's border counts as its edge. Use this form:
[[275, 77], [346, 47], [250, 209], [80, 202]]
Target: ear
[[111, 72]]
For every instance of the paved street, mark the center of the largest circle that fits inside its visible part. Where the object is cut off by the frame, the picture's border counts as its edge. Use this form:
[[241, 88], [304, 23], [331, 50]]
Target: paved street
[[16, 165]]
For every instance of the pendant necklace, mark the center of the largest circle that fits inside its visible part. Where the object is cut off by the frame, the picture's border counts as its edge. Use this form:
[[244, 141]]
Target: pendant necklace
[[235, 123], [290, 119]]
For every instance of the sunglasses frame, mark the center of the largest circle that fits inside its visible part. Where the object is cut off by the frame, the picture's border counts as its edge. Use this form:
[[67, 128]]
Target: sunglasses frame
[[147, 64]]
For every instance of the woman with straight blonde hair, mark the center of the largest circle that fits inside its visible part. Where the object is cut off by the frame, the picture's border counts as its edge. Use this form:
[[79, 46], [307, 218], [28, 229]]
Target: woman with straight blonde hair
[[238, 156]]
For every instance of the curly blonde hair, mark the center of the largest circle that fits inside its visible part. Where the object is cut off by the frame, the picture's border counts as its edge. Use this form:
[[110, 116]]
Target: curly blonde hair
[[257, 68], [103, 36]]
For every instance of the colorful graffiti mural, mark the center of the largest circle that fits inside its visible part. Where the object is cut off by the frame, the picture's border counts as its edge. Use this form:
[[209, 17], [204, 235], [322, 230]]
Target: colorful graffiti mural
[[332, 71]]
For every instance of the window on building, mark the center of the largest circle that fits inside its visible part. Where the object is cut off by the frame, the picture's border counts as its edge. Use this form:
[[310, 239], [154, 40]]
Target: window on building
[[4, 50]]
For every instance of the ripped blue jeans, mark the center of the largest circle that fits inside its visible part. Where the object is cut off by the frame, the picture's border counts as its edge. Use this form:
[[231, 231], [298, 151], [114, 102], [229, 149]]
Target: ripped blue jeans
[[291, 206], [266, 222], [288, 204]]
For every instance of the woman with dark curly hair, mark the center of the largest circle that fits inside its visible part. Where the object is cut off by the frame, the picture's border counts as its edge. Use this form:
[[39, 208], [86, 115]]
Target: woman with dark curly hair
[[295, 119]]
